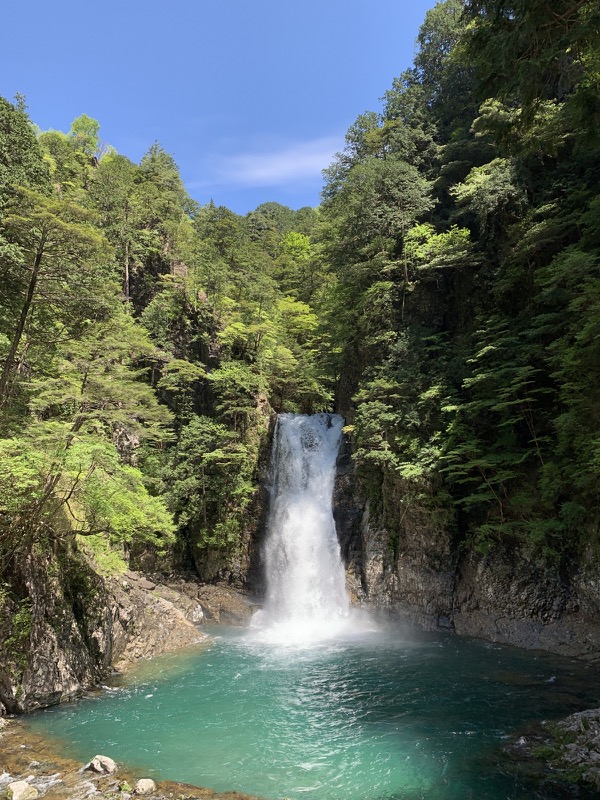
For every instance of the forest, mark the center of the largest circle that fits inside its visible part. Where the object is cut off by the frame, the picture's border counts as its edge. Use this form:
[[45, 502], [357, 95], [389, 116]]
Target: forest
[[444, 298]]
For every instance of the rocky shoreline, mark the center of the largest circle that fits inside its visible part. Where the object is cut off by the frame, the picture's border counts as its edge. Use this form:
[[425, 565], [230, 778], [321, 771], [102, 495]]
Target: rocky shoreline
[[33, 764], [565, 755], [150, 617], [76, 634], [159, 614]]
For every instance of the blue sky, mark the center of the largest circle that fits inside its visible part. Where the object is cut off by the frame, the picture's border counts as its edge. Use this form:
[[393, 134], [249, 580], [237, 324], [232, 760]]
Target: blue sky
[[251, 98]]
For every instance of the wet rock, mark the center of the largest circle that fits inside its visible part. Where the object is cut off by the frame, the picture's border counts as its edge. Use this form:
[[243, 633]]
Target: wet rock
[[585, 725], [581, 751], [21, 790], [507, 597], [415, 578], [115, 622], [221, 604], [566, 753], [103, 765], [86, 789], [5, 779], [45, 782], [592, 776], [347, 512], [145, 786]]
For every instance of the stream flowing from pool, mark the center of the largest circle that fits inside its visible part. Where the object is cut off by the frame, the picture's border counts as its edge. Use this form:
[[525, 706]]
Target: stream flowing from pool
[[316, 702]]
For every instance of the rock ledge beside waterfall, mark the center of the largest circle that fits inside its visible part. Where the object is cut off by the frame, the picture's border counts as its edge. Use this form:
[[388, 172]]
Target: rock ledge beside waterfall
[[81, 627]]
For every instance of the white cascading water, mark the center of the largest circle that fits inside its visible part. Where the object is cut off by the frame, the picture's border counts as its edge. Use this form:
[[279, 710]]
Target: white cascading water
[[306, 596]]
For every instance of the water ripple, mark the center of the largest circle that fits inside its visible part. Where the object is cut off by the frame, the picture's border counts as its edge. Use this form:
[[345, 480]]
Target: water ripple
[[381, 717]]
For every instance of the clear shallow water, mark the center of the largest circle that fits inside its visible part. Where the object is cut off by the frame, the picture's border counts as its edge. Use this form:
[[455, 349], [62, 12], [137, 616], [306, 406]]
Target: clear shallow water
[[385, 716]]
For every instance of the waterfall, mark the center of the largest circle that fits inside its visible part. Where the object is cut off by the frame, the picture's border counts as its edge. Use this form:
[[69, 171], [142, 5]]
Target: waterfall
[[306, 597]]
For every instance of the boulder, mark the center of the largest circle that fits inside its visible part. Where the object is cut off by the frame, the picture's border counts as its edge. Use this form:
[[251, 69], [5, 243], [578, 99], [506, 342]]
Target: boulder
[[103, 765], [21, 790], [145, 786]]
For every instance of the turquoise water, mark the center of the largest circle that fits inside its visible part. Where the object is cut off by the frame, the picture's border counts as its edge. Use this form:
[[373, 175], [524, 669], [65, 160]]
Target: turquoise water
[[385, 716]]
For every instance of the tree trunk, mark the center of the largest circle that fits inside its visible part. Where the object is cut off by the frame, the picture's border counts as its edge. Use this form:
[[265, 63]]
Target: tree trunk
[[10, 359], [127, 289]]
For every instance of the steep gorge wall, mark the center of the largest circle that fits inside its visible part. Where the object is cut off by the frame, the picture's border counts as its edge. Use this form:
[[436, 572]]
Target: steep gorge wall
[[403, 560], [238, 562], [63, 628]]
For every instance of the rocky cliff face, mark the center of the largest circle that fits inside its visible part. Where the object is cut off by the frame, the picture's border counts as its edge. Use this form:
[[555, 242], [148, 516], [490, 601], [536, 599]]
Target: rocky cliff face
[[507, 596], [63, 627], [402, 560], [412, 573], [503, 597], [347, 514]]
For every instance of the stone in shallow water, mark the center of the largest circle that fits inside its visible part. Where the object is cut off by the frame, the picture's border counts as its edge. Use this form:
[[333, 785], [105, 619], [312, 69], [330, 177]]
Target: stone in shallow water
[[145, 786], [5, 779], [87, 789], [21, 790], [103, 765]]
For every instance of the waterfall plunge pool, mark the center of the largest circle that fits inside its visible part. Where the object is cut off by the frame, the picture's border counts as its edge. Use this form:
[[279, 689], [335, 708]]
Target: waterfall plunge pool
[[313, 702], [379, 716]]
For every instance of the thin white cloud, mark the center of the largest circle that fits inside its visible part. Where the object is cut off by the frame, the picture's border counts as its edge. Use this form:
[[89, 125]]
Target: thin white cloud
[[294, 162]]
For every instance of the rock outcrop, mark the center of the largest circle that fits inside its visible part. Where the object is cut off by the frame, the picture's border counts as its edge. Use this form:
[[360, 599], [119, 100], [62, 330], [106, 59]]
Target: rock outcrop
[[577, 743], [404, 562], [509, 597], [21, 790], [70, 627], [347, 516], [144, 786], [150, 619], [102, 765], [412, 575], [564, 756]]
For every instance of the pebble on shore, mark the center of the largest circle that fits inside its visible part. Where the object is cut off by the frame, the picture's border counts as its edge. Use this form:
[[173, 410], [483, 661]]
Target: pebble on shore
[[103, 765], [22, 790]]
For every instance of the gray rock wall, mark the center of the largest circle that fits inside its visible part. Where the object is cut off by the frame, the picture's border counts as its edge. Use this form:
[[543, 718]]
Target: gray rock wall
[[70, 627], [503, 597], [408, 566], [509, 597]]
